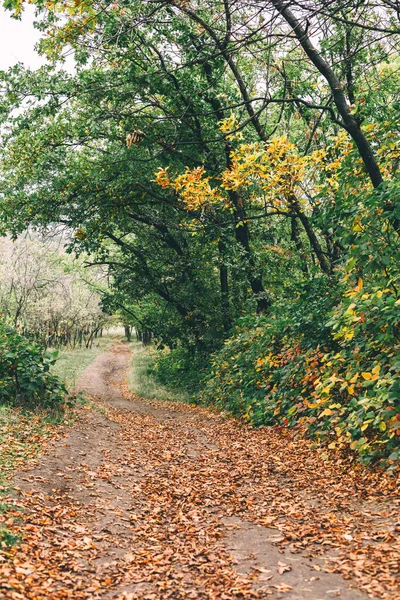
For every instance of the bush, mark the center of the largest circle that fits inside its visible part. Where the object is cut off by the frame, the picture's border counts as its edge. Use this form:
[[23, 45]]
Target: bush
[[181, 369], [25, 376], [346, 392]]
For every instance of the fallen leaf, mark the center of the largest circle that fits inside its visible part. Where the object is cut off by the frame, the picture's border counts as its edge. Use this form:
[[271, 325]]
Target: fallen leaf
[[283, 567]]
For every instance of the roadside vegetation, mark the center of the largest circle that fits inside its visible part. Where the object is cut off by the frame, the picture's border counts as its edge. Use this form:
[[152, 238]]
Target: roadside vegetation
[[144, 382], [230, 172]]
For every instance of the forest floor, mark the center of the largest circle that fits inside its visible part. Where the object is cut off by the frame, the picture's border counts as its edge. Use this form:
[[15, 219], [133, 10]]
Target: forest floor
[[141, 499]]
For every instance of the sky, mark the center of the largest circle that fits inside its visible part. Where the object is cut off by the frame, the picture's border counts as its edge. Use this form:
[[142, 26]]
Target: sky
[[17, 40]]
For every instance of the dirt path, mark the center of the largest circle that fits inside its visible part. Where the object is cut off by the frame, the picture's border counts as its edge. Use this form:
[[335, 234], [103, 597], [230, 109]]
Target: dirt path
[[147, 500]]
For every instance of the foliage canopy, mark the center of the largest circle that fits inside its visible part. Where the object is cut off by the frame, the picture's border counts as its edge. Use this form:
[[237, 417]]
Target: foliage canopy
[[226, 160]]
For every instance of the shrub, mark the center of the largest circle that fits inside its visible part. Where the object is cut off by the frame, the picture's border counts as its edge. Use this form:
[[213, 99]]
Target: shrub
[[346, 392], [25, 376], [181, 368]]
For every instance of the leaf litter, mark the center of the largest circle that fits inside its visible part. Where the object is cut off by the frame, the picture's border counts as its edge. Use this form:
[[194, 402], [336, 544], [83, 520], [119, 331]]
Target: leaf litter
[[133, 503]]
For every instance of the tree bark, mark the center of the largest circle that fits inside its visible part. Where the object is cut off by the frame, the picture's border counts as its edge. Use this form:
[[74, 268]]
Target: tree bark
[[295, 237], [313, 239]]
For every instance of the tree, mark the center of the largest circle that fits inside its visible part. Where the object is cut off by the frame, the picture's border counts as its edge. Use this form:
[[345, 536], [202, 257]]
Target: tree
[[45, 293], [171, 87]]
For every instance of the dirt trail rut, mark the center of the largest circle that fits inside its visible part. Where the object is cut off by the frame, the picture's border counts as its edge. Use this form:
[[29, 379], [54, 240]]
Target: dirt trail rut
[[151, 500]]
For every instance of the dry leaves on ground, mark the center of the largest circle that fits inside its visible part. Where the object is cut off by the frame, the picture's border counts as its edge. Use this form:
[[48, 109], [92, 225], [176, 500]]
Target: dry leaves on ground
[[147, 520]]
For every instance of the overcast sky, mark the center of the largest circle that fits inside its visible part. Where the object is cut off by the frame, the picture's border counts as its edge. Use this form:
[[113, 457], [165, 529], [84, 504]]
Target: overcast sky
[[17, 40]]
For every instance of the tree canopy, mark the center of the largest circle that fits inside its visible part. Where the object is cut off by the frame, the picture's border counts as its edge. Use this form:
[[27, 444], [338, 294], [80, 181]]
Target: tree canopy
[[224, 160]]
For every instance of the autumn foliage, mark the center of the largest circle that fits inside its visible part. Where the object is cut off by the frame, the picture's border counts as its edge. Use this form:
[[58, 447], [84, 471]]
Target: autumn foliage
[[234, 169]]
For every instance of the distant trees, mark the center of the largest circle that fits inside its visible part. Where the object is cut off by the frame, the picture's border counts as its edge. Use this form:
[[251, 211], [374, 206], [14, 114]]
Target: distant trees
[[45, 293]]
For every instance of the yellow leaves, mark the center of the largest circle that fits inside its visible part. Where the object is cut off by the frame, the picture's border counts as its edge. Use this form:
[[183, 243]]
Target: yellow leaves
[[277, 169], [348, 334], [359, 285], [326, 413], [193, 188], [260, 363], [341, 138], [318, 156], [314, 404], [163, 179], [334, 165], [228, 125], [279, 147], [373, 375]]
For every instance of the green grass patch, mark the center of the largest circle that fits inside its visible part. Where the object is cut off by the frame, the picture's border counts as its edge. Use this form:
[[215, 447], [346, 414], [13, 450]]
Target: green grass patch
[[71, 363], [4, 507], [8, 538], [141, 381]]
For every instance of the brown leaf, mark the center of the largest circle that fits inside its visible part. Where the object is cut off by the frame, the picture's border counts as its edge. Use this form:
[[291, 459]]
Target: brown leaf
[[282, 587], [283, 567]]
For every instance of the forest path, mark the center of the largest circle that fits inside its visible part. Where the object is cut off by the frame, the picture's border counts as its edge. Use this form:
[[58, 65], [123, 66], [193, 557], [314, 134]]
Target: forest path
[[142, 499]]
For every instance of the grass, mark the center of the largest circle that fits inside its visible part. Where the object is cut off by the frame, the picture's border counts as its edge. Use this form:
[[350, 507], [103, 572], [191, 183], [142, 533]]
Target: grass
[[71, 363], [140, 381], [4, 507], [7, 538]]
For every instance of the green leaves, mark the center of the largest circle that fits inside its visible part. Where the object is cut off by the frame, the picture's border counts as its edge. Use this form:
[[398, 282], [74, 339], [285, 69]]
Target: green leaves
[[345, 392], [25, 376]]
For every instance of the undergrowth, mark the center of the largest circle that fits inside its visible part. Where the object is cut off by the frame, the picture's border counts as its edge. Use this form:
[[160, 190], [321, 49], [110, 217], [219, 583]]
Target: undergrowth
[[25, 373], [147, 379], [345, 392], [327, 364]]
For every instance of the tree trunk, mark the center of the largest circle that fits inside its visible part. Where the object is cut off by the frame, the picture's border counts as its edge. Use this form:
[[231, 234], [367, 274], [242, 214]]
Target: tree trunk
[[350, 122], [295, 237], [314, 241], [224, 285]]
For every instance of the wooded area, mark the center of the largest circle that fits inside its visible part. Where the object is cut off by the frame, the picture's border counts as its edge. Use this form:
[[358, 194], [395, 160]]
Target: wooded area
[[234, 165], [221, 180]]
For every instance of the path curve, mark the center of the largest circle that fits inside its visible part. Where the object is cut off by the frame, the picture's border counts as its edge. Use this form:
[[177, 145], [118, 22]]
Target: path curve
[[150, 500]]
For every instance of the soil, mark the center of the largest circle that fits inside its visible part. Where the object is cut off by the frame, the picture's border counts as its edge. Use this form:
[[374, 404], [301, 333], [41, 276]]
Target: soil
[[148, 500]]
